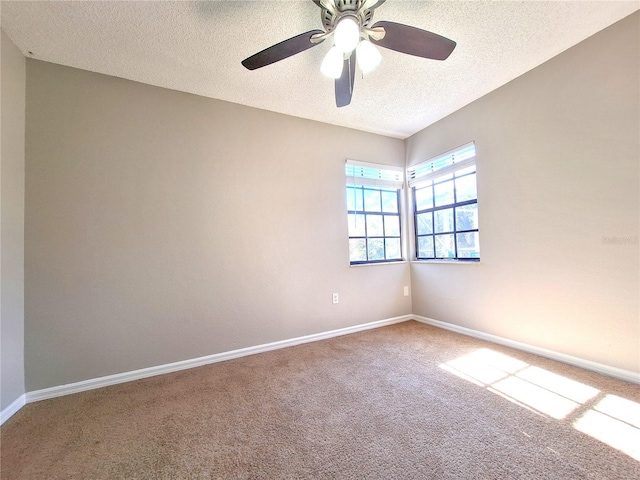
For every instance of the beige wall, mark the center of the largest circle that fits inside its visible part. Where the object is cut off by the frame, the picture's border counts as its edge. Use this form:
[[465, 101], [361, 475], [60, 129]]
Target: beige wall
[[12, 69], [558, 177], [163, 226]]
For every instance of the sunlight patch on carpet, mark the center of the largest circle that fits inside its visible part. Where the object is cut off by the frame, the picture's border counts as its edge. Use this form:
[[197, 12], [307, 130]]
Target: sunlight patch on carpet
[[545, 392], [615, 433], [575, 391], [612, 420], [541, 399], [620, 408]]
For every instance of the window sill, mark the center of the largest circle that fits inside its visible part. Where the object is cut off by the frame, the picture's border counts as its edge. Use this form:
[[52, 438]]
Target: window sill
[[377, 264], [448, 262]]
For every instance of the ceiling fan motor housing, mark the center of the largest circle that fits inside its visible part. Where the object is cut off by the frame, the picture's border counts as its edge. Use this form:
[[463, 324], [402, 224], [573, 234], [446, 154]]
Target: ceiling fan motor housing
[[341, 8]]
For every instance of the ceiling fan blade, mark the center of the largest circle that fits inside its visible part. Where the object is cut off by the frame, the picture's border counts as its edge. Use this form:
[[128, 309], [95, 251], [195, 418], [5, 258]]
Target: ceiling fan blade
[[414, 41], [371, 4], [282, 50], [344, 84]]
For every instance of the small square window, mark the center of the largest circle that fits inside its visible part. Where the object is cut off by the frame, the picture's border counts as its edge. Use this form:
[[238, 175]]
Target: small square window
[[374, 229]]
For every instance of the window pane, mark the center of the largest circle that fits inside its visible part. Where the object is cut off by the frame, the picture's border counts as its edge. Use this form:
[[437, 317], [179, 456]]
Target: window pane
[[425, 247], [374, 226], [393, 248], [356, 225], [464, 171], [468, 245], [440, 221], [390, 202], [372, 200], [445, 247], [424, 223], [466, 188], [354, 198], [467, 217], [444, 193], [449, 176], [376, 249], [357, 250], [424, 198], [444, 220], [391, 226]]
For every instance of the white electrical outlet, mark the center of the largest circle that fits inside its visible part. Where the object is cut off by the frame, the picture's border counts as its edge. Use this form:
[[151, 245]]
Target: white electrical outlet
[[335, 298], [406, 291]]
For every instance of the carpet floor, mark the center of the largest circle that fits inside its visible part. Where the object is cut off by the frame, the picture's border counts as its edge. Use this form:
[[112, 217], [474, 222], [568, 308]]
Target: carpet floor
[[408, 401]]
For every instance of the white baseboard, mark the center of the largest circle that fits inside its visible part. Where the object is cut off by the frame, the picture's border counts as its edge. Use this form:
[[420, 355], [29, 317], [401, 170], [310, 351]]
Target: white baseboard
[[197, 362], [115, 379], [16, 405], [614, 372]]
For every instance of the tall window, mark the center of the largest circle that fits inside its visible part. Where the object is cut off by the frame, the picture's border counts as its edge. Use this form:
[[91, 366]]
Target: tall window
[[373, 211], [445, 206]]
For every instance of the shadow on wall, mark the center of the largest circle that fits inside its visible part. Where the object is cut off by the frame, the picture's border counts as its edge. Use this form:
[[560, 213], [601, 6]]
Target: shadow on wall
[[606, 417]]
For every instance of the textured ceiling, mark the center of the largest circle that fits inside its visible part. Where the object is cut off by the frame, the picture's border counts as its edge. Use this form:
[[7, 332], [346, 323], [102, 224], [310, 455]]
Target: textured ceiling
[[197, 47]]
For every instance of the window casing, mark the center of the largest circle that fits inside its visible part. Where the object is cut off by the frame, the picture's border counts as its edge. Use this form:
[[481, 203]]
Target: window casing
[[374, 212], [445, 207]]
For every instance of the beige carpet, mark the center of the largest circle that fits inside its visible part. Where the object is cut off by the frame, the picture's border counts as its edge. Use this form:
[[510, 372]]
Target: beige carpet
[[405, 401]]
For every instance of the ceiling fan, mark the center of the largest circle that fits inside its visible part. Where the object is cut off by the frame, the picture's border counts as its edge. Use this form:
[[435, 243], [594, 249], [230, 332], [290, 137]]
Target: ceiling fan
[[349, 22]]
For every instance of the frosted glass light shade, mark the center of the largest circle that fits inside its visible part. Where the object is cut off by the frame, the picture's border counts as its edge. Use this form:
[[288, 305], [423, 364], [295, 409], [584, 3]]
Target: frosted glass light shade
[[368, 56], [347, 34], [332, 63]]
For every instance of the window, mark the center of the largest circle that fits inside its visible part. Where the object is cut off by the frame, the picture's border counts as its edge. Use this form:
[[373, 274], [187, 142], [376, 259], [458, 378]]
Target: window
[[374, 213], [445, 206]]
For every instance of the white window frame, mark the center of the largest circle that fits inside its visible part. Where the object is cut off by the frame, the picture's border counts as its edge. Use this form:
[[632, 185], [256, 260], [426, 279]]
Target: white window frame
[[373, 175], [421, 174]]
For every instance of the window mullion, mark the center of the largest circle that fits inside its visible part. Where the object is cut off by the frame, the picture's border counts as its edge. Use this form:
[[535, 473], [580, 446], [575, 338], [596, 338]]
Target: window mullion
[[433, 220], [384, 233], [455, 226]]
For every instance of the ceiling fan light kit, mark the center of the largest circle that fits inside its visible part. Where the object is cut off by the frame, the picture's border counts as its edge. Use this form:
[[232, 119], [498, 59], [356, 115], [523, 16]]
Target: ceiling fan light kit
[[346, 38], [354, 38], [346, 34], [332, 63], [368, 56]]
